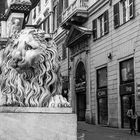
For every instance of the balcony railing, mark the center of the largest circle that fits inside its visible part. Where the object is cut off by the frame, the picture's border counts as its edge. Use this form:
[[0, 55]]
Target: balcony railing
[[77, 5]]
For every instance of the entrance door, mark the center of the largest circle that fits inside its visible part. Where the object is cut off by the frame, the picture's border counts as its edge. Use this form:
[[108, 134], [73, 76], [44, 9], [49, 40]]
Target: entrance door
[[80, 90], [127, 102], [81, 106]]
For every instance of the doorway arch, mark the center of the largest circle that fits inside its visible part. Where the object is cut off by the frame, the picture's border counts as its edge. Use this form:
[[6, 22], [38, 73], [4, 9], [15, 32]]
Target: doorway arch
[[80, 90]]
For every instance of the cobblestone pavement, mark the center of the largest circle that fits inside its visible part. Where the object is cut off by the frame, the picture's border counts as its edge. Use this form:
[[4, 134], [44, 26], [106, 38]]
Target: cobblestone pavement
[[94, 132]]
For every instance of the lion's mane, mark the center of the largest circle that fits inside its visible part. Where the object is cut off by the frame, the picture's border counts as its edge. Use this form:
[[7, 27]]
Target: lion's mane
[[35, 84]]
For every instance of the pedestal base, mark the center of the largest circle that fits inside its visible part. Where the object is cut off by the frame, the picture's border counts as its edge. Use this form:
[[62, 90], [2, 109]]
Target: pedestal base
[[18, 123]]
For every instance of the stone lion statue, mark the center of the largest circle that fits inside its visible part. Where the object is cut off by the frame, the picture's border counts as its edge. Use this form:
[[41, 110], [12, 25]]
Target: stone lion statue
[[30, 72]]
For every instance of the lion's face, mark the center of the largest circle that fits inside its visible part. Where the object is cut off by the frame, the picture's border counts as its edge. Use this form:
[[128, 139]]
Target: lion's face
[[25, 53]]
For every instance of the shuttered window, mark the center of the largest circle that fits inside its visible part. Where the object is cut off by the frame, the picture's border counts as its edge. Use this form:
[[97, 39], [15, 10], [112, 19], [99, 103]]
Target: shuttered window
[[116, 15], [94, 24], [106, 22]]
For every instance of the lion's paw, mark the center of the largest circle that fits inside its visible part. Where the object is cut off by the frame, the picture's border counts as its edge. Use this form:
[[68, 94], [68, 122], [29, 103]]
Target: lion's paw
[[58, 101]]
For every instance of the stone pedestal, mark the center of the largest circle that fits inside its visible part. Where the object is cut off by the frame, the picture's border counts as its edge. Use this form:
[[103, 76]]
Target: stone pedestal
[[17, 123]]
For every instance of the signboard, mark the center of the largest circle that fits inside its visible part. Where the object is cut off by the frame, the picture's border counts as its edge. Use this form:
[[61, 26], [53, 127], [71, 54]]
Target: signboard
[[80, 87], [102, 93], [127, 88]]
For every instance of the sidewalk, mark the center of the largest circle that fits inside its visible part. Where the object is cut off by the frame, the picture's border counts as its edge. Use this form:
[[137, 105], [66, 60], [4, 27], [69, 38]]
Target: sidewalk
[[94, 132]]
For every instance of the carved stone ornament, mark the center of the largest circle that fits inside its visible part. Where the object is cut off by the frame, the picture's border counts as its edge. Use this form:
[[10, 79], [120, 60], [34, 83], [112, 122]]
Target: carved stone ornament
[[30, 72]]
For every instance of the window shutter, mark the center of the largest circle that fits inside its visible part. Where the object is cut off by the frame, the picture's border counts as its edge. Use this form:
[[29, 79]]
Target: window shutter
[[94, 24], [131, 8], [106, 22], [116, 15]]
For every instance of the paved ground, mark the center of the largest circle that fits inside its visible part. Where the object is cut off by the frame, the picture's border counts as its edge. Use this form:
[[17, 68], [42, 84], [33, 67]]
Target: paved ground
[[93, 132]]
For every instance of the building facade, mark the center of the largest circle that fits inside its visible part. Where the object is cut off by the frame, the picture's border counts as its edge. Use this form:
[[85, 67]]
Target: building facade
[[98, 42]]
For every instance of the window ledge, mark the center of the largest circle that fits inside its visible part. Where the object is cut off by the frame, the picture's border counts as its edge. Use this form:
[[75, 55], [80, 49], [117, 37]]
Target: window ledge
[[100, 37], [123, 23]]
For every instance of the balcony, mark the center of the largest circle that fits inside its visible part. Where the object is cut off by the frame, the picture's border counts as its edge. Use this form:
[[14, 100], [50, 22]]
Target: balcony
[[76, 14]]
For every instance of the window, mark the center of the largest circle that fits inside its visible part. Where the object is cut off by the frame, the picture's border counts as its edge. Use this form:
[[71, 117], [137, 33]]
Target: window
[[100, 25], [61, 6], [128, 9], [116, 15], [102, 77], [127, 71], [64, 52], [123, 12]]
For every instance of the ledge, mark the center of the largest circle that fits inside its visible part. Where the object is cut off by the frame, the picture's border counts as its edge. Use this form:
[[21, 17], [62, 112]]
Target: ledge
[[42, 110]]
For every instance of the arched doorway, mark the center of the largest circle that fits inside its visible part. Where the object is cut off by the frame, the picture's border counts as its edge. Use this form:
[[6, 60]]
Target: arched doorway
[[80, 89]]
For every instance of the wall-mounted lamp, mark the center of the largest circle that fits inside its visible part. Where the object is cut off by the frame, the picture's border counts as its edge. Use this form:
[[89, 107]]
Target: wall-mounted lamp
[[69, 68], [109, 56]]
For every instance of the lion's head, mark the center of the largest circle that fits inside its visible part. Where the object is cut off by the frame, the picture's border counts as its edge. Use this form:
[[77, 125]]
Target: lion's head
[[30, 70]]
